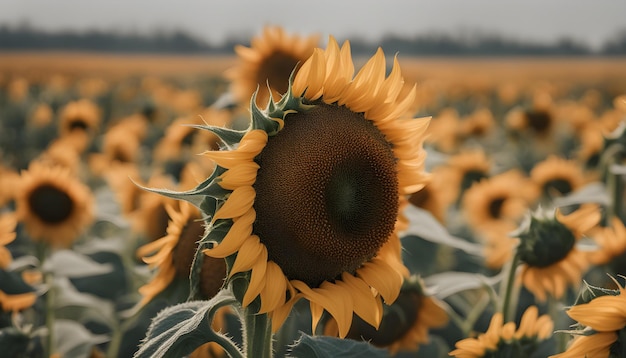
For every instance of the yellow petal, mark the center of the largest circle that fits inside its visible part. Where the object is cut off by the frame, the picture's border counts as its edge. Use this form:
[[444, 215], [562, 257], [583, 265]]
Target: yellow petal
[[274, 293], [257, 279], [248, 254], [366, 304], [379, 275], [238, 203], [250, 146], [239, 175], [236, 236]]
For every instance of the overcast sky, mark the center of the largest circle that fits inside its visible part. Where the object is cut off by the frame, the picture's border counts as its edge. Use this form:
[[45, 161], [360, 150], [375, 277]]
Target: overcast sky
[[592, 22]]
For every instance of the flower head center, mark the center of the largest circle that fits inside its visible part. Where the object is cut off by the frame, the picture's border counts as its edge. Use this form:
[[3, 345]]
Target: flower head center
[[50, 204], [77, 123], [185, 249], [562, 187], [326, 193], [539, 121], [495, 207]]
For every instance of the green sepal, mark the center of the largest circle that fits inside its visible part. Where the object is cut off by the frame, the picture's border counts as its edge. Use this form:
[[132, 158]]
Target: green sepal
[[321, 347], [178, 330], [260, 120], [196, 195], [588, 293], [230, 137]]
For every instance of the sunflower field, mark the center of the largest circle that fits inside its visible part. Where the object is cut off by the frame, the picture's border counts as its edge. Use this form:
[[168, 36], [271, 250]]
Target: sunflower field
[[297, 201]]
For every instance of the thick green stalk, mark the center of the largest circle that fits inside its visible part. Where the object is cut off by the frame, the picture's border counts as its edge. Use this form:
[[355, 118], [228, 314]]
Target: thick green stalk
[[509, 302], [257, 335], [48, 277]]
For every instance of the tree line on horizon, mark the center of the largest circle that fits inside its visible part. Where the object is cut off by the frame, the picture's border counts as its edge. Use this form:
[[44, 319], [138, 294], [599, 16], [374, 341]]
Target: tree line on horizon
[[24, 37]]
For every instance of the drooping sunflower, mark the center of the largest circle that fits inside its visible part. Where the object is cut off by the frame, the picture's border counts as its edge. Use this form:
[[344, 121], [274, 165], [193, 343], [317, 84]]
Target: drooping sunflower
[[269, 61], [54, 205], [502, 198], [556, 176], [307, 205], [478, 124], [405, 324], [173, 255], [502, 338], [443, 132], [7, 235], [606, 317], [551, 262]]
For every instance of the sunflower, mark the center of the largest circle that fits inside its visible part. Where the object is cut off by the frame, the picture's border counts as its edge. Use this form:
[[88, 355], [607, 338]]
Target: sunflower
[[502, 338], [54, 206], [606, 317], [551, 260], [307, 205], [269, 61], [478, 124], [81, 116], [461, 171], [16, 302], [120, 147], [611, 241], [7, 235], [557, 176], [538, 119], [173, 254], [405, 324], [62, 152], [503, 198]]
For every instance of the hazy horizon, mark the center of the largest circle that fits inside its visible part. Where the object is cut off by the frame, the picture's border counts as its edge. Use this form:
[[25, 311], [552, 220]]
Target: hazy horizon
[[533, 20]]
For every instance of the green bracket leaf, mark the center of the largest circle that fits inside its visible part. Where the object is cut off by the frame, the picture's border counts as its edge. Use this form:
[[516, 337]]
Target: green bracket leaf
[[178, 330], [322, 347]]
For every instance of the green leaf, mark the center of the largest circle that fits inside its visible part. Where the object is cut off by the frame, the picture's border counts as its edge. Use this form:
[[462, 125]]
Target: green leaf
[[323, 347], [423, 224], [14, 343], [178, 330], [71, 264], [592, 193], [71, 339], [81, 307], [446, 284]]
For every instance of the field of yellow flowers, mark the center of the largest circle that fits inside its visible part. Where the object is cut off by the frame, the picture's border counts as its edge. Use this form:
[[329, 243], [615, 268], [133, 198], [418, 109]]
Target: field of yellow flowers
[[294, 200]]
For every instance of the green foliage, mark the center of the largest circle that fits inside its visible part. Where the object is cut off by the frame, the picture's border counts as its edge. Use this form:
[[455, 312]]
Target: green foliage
[[323, 347], [178, 330]]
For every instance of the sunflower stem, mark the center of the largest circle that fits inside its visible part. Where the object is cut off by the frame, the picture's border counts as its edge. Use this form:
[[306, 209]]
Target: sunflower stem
[[48, 278], [556, 313], [509, 301], [257, 335]]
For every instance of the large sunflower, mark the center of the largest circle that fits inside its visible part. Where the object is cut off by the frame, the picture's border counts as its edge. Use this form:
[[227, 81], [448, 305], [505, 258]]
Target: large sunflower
[[308, 203], [54, 205], [173, 255], [551, 260], [268, 61], [504, 340]]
